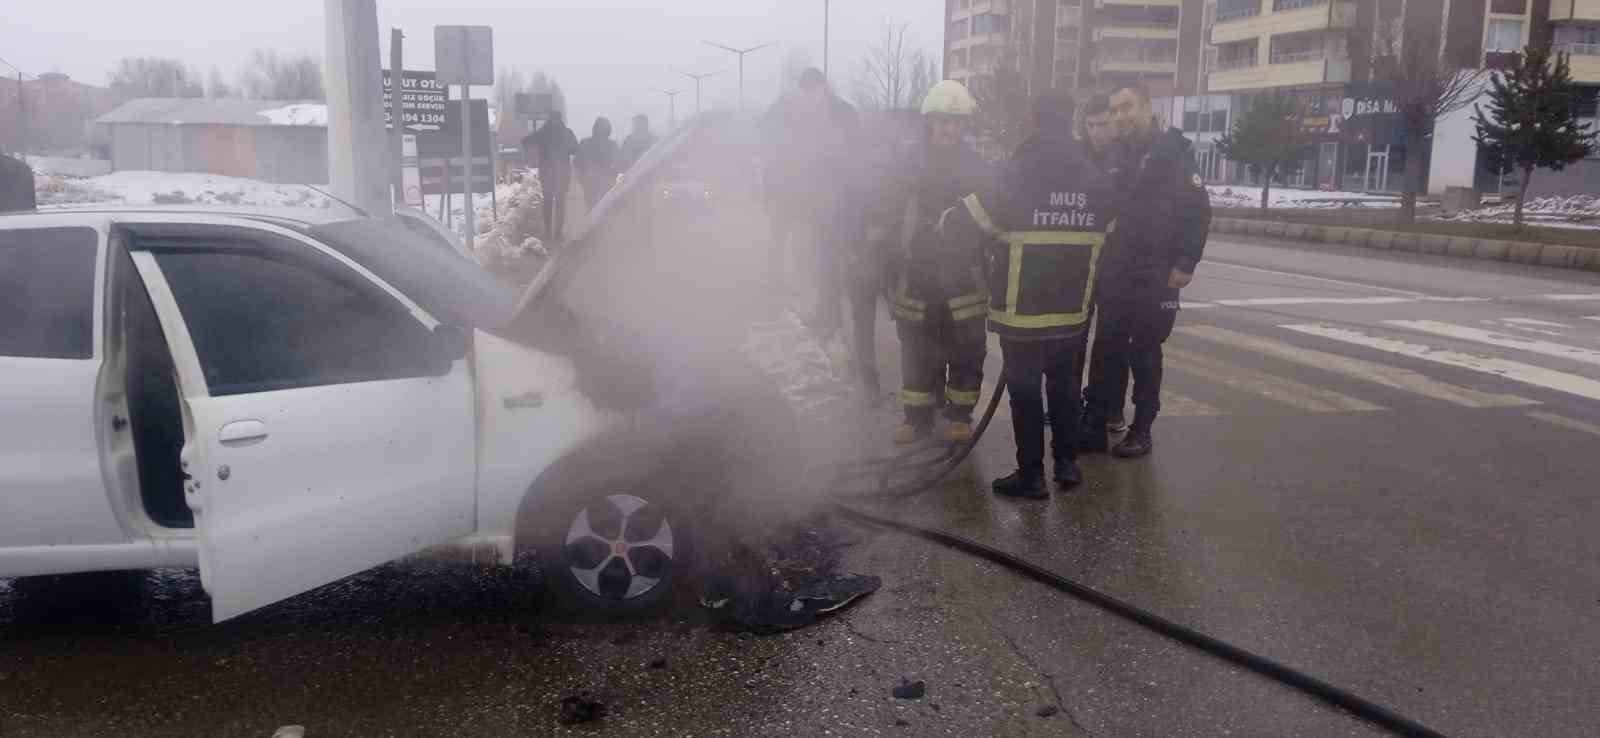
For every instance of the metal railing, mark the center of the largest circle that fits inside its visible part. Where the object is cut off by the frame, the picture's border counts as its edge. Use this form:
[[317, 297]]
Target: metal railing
[[1281, 5], [1223, 16], [1224, 65], [1581, 49], [1300, 56]]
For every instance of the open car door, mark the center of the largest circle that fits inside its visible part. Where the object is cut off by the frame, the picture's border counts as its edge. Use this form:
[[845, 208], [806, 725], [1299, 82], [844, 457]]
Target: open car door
[[328, 420]]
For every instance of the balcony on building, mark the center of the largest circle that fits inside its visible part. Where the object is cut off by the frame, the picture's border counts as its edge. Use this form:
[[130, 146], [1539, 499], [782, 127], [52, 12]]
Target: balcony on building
[[1136, 21], [969, 8], [1147, 3], [1237, 20], [1581, 43], [1574, 11], [1152, 56]]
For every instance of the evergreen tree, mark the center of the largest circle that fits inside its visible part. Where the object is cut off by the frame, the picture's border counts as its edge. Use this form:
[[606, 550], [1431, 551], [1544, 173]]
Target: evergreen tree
[[1532, 120], [1265, 138]]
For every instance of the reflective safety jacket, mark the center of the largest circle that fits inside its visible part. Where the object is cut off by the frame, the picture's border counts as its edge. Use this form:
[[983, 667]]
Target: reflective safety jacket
[[1044, 229], [929, 271]]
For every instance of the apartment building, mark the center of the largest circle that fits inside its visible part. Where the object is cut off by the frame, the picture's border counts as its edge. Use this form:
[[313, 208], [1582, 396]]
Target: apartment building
[[1321, 52], [1075, 44]]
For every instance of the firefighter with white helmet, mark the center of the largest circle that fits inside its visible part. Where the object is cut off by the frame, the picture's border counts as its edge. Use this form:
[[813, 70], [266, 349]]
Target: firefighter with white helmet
[[936, 289]]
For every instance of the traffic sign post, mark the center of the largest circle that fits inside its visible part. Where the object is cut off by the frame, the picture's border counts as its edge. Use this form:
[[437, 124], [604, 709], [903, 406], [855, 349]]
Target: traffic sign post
[[464, 55]]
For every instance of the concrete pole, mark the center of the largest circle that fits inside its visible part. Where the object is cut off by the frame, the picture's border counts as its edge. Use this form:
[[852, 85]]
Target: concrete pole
[[825, 4], [357, 147], [466, 164], [396, 109]]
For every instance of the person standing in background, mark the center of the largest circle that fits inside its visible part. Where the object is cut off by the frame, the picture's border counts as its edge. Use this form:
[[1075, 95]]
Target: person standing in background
[[806, 148], [597, 162], [16, 184], [553, 145], [1099, 137], [637, 143]]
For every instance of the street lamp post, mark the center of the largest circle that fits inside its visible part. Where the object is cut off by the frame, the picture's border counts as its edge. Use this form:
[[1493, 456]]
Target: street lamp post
[[672, 106], [741, 53], [697, 78], [825, 14]]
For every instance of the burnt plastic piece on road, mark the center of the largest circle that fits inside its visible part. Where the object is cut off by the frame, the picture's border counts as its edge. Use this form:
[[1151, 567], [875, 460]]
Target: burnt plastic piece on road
[[909, 690], [776, 611], [1047, 711], [579, 708]]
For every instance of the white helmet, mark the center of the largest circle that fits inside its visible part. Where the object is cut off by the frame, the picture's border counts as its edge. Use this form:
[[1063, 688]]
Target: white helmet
[[949, 97]]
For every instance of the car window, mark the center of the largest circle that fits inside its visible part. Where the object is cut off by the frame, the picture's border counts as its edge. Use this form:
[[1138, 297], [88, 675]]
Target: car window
[[47, 292], [262, 320]]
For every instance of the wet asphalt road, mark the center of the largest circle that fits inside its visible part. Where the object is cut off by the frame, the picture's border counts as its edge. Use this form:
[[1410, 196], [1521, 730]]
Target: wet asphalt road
[[1436, 555]]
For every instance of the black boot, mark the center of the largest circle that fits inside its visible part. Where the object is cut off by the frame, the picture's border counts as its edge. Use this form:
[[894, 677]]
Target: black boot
[[1137, 443], [1091, 437], [1067, 473], [1018, 484]]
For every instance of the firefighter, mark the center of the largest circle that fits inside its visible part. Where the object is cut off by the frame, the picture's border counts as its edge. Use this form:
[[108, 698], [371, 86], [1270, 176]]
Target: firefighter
[[1152, 255], [937, 291], [1043, 227]]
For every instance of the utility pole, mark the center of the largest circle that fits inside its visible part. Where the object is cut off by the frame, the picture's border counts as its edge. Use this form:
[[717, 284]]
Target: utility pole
[[825, 4], [22, 121], [672, 107], [697, 78], [741, 53], [396, 117], [357, 171]]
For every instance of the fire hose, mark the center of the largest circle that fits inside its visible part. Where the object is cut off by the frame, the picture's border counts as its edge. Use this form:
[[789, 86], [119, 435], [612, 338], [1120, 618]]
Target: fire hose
[[930, 463]]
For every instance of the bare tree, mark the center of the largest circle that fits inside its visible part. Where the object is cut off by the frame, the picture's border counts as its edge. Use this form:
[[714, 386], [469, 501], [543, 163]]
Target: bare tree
[[507, 85], [1424, 85], [924, 75], [152, 76], [217, 87], [885, 79], [268, 76]]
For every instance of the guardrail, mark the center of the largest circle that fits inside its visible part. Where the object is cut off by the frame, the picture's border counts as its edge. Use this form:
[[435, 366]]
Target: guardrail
[[1223, 16], [1224, 65], [1582, 49]]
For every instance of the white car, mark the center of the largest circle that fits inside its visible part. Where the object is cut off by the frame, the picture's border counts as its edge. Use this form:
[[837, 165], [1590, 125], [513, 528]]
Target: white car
[[283, 400]]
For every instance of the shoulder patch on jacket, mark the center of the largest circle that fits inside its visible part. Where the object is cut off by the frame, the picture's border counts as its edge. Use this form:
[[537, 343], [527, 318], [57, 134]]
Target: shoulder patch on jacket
[[1195, 178]]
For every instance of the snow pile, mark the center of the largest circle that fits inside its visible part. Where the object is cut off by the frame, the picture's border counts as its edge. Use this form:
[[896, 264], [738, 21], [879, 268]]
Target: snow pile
[[813, 379], [511, 244], [173, 188], [297, 114], [1573, 211], [1237, 196]]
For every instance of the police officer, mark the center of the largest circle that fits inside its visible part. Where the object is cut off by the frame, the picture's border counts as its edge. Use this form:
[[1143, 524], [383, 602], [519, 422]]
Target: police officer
[[1151, 255], [16, 184], [937, 291], [1099, 137], [1046, 227]]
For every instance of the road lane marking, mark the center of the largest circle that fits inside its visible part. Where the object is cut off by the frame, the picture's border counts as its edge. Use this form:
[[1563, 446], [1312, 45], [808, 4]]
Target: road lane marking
[[1176, 405], [1525, 329], [1196, 305], [1568, 423], [1254, 301], [1536, 321], [1279, 389], [1370, 371], [1591, 317], [1531, 345], [1571, 384], [1570, 298], [1315, 279]]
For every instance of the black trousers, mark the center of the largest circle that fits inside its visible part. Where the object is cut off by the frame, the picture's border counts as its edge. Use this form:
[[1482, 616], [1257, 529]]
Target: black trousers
[[1027, 363], [554, 189], [863, 299], [1134, 322]]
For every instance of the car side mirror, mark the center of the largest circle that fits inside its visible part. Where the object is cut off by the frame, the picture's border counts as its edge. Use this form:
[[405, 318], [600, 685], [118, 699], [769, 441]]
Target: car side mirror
[[451, 342]]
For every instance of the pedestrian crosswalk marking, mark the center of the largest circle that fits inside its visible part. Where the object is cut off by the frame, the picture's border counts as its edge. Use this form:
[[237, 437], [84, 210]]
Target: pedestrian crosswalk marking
[[1517, 371], [1178, 406], [1531, 345], [1381, 374], [1536, 322], [1255, 301], [1567, 423], [1572, 298], [1507, 324], [1279, 389], [1591, 317], [1241, 267]]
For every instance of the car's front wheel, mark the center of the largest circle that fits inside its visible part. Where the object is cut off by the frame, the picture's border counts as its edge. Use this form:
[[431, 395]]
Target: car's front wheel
[[613, 551]]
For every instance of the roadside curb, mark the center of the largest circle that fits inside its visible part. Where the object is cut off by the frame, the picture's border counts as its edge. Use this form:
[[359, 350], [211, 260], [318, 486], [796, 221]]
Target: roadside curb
[[1463, 247]]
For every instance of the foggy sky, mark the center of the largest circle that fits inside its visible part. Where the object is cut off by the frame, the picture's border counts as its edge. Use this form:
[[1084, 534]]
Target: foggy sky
[[607, 54]]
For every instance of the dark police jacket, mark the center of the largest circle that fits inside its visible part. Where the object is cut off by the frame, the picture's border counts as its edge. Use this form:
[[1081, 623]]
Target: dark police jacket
[[16, 185], [1163, 213], [1043, 229]]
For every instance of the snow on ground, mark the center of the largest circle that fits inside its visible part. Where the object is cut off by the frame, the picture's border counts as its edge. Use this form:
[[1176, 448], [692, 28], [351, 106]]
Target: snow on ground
[[1237, 196], [297, 114], [1574, 211], [173, 188]]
